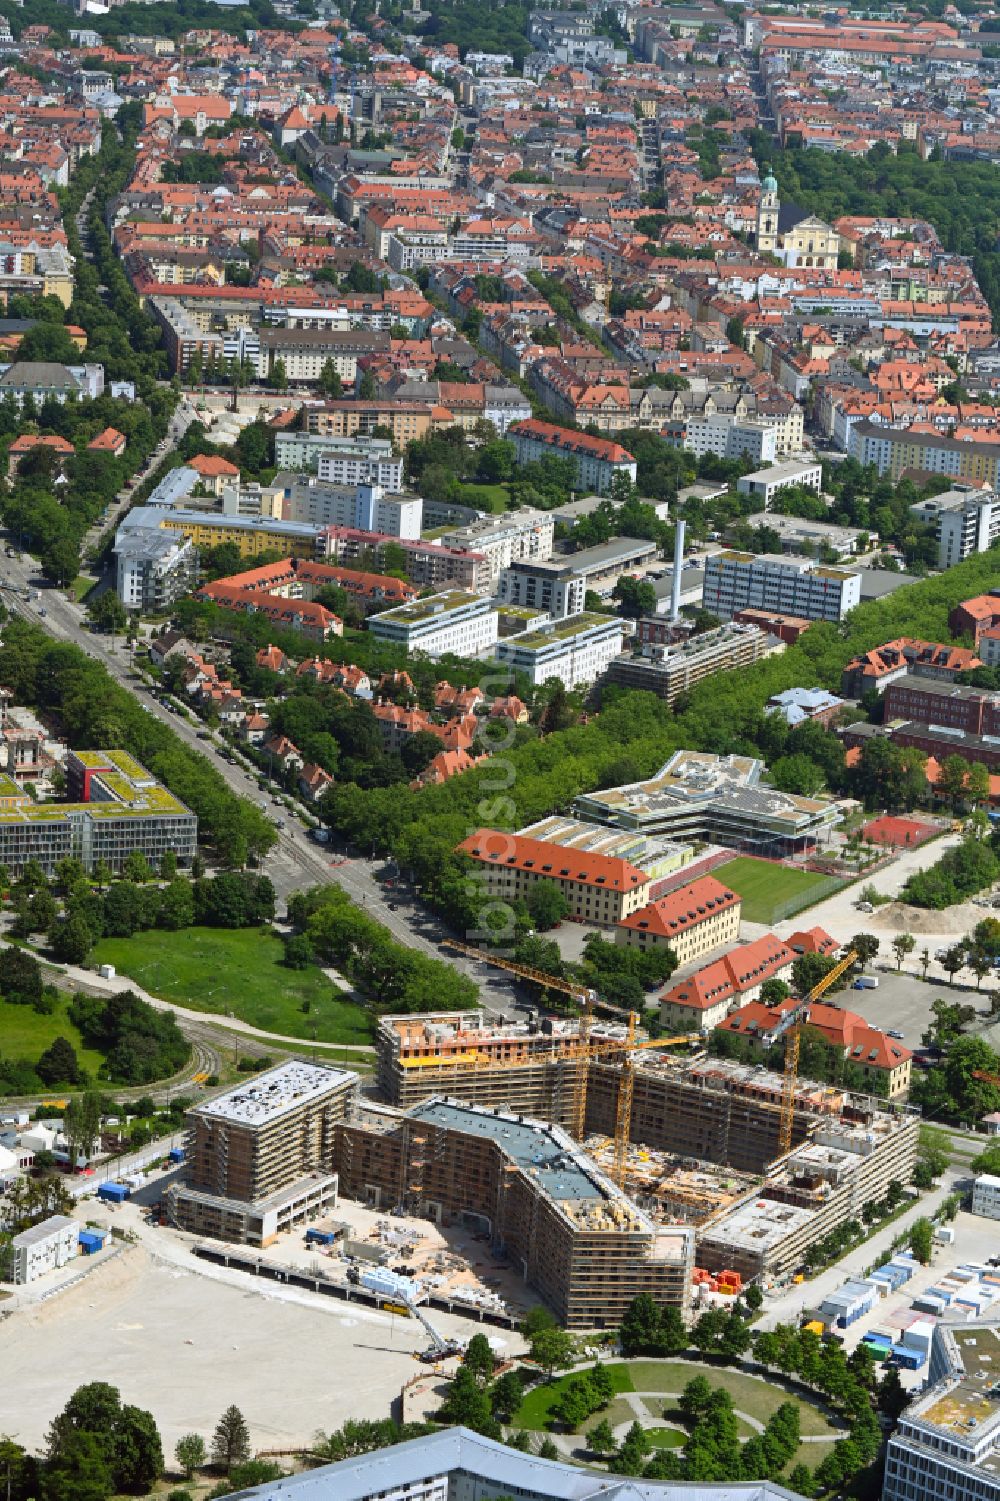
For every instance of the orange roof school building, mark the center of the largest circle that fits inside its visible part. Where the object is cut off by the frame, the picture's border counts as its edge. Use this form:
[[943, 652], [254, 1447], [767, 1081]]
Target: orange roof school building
[[609, 892]]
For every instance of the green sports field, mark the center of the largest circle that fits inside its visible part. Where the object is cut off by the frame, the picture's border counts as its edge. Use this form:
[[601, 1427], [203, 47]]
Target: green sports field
[[239, 973], [767, 889]]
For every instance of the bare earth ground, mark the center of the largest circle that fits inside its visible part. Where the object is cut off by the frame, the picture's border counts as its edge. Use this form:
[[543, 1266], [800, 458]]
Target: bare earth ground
[[185, 1346]]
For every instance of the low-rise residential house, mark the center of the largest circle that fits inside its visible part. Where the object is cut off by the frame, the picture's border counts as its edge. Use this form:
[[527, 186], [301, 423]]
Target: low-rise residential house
[[313, 782]]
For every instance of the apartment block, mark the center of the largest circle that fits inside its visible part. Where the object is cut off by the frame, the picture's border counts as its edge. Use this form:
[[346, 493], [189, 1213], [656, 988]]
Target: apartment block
[[765, 484], [598, 888], [307, 500], [729, 437], [574, 1237], [341, 461], [462, 624], [261, 1157], [893, 449], [305, 352], [690, 921], [153, 568], [516, 536], [973, 711], [251, 534], [966, 521], [406, 420], [428, 564], [597, 460], [669, 671], [552, 588], [791, 586], [576, 650]]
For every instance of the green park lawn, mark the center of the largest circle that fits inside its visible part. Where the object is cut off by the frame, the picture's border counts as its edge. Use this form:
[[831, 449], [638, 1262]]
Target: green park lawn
[[237, 972], [26, 1034], [539, 1401], [758, 1399], [752, 1397], [766, 887], [494, 498]]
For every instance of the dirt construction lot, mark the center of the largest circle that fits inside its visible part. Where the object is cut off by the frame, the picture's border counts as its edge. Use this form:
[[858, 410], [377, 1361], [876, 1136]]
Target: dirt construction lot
[[185, 1345]]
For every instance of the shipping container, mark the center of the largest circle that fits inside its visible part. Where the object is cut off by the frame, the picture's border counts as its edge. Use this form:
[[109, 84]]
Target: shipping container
[[176, 1154], [113, 1193]]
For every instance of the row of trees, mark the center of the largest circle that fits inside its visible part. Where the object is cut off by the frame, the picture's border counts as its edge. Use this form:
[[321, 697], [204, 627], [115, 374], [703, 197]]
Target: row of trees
[[394, 976], [99, 1446], [75, 692]]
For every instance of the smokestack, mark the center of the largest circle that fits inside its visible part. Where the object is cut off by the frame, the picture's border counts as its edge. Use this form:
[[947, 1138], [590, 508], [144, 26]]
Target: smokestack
[[675, 586]]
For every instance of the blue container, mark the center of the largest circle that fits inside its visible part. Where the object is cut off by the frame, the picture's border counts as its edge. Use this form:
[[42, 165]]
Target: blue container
[[912, 1359], [320, 1237], [91, 1241], [176, 1154], [113, 1193]]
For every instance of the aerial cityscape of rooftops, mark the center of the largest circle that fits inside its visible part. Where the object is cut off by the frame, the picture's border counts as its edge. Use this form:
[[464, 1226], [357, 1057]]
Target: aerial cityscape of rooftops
[[499, 750]]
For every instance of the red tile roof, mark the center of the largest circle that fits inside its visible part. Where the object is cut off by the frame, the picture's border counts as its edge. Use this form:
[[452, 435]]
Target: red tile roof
[[812, 941], [494, 847], [862, 1044], [682, 909], [741, 969], [570, 441]]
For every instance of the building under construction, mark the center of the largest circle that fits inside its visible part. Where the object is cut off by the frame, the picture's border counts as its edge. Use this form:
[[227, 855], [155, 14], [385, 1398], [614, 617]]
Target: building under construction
[[531, 1067], [689, 1117], [847, 1163], [543, 1202], [260, 1157]]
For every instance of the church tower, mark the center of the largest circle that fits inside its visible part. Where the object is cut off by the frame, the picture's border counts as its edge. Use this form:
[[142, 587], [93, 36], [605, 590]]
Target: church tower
[[767, 216]]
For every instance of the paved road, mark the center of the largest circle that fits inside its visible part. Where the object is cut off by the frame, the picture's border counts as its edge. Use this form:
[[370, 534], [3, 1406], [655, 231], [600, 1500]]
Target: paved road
[[294, 863], [788, 1306]]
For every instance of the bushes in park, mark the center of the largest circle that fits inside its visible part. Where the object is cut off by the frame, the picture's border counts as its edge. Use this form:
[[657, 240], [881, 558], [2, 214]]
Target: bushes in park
[[141, 1043], [393, 976]]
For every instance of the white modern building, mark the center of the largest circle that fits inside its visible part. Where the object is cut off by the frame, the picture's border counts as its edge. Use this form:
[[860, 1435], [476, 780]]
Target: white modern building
[[986, 1196], [456, 1464], [153, 568], [966, 521], [465, 625], [303, 451], [305, 499], [576, 650], [512, 537], [42, 1249], [786, 586], [796, 474], [553, 587], [947, 1443], [730, 437]]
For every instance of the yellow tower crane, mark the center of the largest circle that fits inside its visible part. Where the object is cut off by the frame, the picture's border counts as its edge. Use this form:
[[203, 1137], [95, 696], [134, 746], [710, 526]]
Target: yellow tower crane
[[790, 1027]]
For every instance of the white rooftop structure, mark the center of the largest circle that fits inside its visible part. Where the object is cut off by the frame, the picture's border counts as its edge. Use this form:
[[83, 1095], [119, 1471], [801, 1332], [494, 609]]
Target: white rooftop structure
[[457, 1463], [262, 1100]]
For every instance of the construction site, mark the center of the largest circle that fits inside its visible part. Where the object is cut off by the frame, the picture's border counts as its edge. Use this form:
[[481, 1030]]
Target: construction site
[[594, 1161], [759, 1164], [526, 1185]]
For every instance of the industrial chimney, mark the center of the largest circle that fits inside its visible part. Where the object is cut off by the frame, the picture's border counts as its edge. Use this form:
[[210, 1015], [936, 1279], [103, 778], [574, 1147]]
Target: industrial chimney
[[675, 584]]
